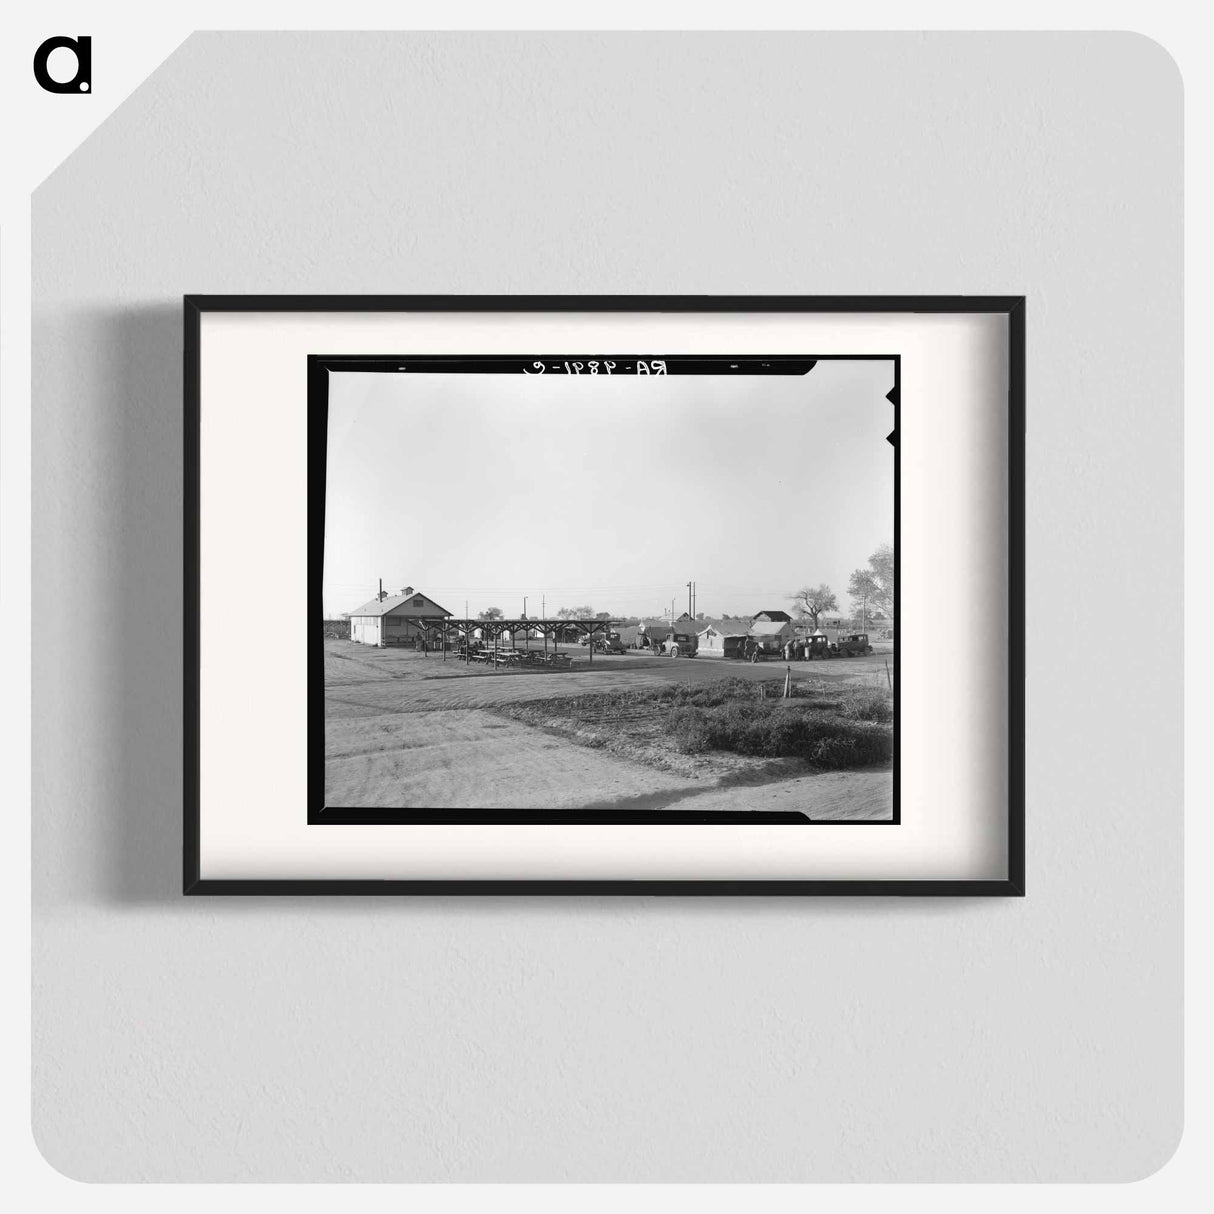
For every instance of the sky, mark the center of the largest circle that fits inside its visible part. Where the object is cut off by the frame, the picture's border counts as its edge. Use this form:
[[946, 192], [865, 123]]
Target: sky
[[612, 492]]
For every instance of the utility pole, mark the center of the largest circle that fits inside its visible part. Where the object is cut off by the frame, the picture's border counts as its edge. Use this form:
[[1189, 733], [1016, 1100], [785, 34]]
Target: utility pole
[[691, 614]]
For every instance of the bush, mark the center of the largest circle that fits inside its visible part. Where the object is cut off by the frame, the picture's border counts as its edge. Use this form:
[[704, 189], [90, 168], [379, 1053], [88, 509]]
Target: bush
[[842, 727], [688, 729], [768, 730], [867, 704]]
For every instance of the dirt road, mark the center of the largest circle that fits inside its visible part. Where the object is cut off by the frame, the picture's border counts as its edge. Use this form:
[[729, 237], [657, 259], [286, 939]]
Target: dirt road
[[403, 729], [473, 760]]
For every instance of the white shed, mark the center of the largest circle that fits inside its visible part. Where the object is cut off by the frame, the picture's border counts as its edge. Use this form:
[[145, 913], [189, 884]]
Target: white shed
[[719, 641], [395, 619]]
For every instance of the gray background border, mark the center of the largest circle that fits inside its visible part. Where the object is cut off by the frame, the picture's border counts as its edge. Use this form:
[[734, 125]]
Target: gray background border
[[1036, 1039]]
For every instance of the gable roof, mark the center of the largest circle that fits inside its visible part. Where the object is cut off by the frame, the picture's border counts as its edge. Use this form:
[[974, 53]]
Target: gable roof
[[393, 601], [726, 627], [773, 615], [722, 631], [768, 628]]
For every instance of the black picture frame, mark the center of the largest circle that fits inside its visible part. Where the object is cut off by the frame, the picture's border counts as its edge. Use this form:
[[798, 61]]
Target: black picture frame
[[1012, 307]]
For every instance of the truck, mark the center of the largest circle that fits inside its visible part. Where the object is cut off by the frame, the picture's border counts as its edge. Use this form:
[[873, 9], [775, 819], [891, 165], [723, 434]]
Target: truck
[[611, 643]]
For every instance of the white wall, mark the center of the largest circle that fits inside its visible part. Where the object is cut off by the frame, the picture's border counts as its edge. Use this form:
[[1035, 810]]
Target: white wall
[[365, 629], [627, 1039]]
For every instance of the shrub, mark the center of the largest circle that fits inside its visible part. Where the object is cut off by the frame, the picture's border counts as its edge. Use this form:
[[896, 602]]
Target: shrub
[[830, 728], [867, 704], [768, 730], [688, 730]]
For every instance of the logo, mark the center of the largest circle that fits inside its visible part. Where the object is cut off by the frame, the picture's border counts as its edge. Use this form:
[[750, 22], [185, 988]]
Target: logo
[[82, 48]]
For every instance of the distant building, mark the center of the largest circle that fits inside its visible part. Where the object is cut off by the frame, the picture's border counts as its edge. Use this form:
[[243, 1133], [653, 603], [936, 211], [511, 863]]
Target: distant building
[[395, 619], [714, 642], [774, 617], [767, 630]]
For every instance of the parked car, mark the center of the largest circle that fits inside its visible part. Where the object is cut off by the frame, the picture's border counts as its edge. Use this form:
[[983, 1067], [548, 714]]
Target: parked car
[[759, 649], [679, 646], [809, 648], [854, 645]]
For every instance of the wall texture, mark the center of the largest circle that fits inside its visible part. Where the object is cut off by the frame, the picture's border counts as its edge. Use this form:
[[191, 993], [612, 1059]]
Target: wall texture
[[615, 1039]]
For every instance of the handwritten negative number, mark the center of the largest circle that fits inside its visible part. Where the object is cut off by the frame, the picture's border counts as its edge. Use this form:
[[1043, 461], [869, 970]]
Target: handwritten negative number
[[594, 366]]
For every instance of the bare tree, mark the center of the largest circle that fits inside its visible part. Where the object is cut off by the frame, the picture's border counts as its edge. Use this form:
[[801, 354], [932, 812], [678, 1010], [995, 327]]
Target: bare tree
[[811, 601]]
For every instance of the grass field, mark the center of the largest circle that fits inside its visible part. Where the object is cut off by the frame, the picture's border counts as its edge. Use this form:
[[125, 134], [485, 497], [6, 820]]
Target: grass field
[[406, 729]]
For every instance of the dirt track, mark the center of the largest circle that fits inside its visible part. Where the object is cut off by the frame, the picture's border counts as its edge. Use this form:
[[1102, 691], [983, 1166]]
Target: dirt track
[[403, 729], [441, 759]]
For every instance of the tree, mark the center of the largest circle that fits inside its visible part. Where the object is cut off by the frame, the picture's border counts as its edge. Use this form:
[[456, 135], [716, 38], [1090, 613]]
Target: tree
[[491, 613], [863, 588], [873, 587], [812, 601]]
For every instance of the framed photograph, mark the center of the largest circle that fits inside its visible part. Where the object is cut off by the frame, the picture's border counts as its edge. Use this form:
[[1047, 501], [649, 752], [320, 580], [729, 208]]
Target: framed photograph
[[610, 594]]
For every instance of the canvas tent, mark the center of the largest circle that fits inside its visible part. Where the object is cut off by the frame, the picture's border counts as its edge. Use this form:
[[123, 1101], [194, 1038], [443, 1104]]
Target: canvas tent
[[713, 642]]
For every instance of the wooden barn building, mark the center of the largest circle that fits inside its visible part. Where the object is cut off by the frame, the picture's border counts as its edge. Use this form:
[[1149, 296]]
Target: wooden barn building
[[395, 619]]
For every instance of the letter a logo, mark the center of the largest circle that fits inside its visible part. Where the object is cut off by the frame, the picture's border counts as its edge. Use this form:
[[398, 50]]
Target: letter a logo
[[82, 81]]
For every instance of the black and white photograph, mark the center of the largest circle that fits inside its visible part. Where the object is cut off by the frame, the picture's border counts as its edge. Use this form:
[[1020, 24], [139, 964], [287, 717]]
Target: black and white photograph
[[606, 588]]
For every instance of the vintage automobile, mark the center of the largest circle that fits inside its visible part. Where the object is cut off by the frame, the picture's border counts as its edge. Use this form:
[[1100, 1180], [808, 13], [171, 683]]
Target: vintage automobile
[[853, 646], [761, 648], [809, 648], [680, 645], [611, 643]]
